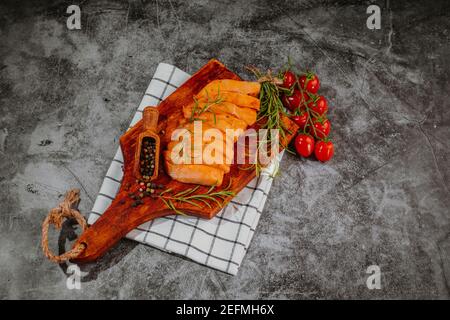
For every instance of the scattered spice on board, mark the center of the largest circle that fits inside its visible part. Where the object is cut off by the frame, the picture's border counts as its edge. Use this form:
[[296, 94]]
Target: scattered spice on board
[[146, 189]]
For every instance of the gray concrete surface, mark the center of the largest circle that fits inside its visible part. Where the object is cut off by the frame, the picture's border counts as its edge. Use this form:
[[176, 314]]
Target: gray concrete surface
[[66, 97]]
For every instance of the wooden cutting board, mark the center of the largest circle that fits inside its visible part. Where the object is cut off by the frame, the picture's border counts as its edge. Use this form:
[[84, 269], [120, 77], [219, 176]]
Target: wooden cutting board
[[121, 217]]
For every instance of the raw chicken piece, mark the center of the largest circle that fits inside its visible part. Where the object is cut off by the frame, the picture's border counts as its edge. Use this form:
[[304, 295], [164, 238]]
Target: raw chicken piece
[[217, 86], [235, 110], [239, 99], [195, 173], [224, 156], [220, 165], [246, 114], [208, 150], [222, 121]]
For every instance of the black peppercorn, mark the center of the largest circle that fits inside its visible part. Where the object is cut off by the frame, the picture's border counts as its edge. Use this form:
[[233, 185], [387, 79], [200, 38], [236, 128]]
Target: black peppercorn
[[147, 158]]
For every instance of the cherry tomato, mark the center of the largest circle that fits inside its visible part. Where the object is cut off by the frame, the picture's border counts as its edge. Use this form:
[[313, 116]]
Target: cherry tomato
[[324, 150], [309, 82], [322, 128], [291, 102], [296, 100], [320, 106], [300, 120], [289, 79], [304, 144]]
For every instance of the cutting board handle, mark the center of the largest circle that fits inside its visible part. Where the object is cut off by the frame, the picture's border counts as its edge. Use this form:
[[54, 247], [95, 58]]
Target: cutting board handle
[[119, 219], [150, 119]]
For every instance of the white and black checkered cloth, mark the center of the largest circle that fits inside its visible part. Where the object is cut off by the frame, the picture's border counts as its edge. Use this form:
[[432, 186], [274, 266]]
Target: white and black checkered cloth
[[221, 242]]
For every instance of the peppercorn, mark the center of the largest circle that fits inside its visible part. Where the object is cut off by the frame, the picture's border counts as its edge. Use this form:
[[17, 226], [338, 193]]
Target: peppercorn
[[147, 158]]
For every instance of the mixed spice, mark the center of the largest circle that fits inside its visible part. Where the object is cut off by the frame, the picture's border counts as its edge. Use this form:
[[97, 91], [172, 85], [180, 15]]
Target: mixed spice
[[147, 157], [146, 189]]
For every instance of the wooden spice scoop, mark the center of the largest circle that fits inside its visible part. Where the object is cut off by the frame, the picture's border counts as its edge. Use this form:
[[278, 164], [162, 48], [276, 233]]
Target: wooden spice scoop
[[145, 168]]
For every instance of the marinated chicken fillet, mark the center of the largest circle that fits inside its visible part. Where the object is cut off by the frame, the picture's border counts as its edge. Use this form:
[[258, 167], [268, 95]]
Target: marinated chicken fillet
[[219, 154], [217, 86], [195, 173], [240, 99], [245, 114], [236, 110], [226, 150], [203, 150], [222, 121], [168, 156]]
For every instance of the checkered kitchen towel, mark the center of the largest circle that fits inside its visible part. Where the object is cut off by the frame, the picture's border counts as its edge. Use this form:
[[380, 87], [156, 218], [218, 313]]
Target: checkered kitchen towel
[[221, 242]]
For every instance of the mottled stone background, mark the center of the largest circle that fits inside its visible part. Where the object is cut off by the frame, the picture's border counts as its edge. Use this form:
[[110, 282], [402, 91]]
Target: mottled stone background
[[67, 96]]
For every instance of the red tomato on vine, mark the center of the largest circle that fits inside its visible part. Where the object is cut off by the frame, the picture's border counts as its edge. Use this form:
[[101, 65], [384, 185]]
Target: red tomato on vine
[[304, 144], [324, 150], [309, 82], [289, 79], [319, 106], [321, 129]]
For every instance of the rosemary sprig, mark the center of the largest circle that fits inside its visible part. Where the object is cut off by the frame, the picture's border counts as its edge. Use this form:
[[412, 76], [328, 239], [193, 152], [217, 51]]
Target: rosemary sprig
[[196, 110], [189, 196], [271, 110], [271, 107], [187, 191], [257, 166]]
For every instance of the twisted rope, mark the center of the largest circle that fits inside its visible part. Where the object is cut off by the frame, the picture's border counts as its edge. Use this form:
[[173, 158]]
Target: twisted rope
[[66, 209], [268, 77]]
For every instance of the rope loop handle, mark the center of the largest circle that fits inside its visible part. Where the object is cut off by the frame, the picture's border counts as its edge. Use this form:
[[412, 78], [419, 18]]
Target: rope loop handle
[[66, 209]]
